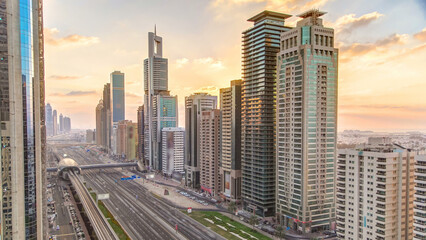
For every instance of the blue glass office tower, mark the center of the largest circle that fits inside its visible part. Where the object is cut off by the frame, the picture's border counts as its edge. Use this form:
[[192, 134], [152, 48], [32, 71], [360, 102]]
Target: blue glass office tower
[[118, 97], [160, 108], [22, 120]]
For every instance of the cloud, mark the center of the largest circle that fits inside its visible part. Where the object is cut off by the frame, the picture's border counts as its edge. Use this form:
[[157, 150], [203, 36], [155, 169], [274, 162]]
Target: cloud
[[348, 23], [181, 62], [214, 64], [133, 95], [286, 6], [357, 49], [386, 107], [67, 41], [74, 93], [63, 77], [421, 35]]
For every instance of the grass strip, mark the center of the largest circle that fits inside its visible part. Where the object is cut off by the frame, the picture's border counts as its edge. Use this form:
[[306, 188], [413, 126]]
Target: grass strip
[[237, 228]]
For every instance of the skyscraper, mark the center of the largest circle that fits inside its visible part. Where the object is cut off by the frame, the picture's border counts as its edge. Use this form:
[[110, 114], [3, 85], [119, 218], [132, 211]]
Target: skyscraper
[[22, 120], [61, 123], [306, 124], [55, 122], [210, 151], [126, 139], [67, 124], [141, 124], [100, 122], [173, 150], [49, 120], [420, 198], [230, 156], [107, 119], [194, 105], [161, 109], [118, 104], [375, 192], [260, 46]]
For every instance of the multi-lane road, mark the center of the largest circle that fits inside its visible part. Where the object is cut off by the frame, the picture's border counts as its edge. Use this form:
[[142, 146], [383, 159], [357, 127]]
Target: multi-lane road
[[142, 215]]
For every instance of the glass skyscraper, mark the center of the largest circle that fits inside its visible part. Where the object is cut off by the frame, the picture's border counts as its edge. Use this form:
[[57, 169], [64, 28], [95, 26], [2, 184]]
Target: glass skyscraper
[[306, 125], [160, 109], [118, 96], [22, 120], [260, 46]]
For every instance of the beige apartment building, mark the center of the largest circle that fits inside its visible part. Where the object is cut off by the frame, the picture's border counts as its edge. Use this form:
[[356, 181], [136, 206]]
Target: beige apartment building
[[375, 192], [210, 151]]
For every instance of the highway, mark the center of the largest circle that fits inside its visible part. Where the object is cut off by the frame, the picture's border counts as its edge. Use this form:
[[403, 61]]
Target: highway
[[100, 224], [142, 215]]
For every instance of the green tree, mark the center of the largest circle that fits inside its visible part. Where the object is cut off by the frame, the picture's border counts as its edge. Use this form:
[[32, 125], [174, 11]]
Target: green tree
[[253, 220], [232, 207]]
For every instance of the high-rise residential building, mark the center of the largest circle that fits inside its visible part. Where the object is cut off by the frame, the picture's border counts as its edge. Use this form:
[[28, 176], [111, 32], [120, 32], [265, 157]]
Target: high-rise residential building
[[306, 125], [126, 139], [55, 122], [230, 156], [22, 120], [100, 124], [67, 124], [160, 109], [375, 192], [49, 120], [261, 44], [173, 150], [210, 151], [194, 105], [141, 124], [107, 118], [61, 123], [420, 198], [117, 96]]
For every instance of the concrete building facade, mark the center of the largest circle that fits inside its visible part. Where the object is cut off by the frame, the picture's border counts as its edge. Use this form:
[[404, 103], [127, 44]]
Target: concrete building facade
[[375, 192], [126, 139], [141, 141], [22, 120], [230, 149], [420, 198], [261, 44], [210, 151], [173, 149], [194, 105], [306, 126]]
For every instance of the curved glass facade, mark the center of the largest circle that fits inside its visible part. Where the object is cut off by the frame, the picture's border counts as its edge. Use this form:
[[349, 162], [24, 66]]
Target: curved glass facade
[[27, 70]]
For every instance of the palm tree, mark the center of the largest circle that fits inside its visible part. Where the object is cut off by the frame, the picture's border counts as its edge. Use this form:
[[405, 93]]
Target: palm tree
[[253, 220], [232, 207]]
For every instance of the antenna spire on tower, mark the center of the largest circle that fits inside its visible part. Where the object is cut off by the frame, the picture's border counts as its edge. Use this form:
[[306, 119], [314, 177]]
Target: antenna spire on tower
[[155, 29]]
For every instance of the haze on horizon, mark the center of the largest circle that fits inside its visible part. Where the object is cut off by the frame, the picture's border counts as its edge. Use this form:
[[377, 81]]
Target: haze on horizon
[[382, 48]]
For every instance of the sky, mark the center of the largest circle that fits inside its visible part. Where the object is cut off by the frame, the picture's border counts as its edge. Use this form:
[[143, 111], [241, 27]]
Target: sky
[[382, 53]]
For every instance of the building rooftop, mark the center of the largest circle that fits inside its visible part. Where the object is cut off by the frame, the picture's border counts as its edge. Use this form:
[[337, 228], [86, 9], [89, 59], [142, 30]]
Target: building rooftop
[[311, 13], [267, 13]]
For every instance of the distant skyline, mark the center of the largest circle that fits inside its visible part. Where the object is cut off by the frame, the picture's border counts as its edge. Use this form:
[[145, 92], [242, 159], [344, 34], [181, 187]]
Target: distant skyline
[[382, 52]]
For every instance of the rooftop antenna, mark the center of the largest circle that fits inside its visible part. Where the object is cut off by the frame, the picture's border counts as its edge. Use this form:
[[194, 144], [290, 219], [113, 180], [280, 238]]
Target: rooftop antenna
[[155, 29]]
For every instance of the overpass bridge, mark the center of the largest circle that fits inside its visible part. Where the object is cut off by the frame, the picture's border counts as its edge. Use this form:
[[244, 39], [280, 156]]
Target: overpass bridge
[[99, 223], [67, 164]]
